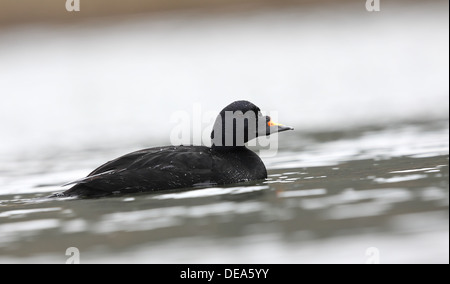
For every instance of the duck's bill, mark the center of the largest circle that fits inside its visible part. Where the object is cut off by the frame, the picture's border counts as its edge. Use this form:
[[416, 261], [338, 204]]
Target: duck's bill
[[282, 128], [277, 127]]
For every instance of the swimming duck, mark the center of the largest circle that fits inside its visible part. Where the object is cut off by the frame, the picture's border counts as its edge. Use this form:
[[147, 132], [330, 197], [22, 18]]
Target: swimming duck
[[227, 161]]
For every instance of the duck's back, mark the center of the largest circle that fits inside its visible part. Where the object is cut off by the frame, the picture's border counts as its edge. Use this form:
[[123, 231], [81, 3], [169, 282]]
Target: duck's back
[[170, 167]]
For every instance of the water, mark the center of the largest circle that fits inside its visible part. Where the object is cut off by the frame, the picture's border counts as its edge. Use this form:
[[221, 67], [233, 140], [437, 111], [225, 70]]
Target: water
[[366, 167], [326, 201]]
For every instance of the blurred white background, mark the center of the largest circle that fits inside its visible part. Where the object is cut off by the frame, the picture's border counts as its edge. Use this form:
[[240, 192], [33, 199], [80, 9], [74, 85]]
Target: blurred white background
[[330, 66]]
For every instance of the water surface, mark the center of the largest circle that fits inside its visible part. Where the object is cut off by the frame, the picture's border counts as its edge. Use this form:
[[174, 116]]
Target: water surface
[[325, 201]]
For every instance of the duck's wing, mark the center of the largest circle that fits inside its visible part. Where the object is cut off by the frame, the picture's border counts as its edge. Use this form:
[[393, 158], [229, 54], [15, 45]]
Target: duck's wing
[[114, 166], [148, 170], [90, 177], [125, 161]]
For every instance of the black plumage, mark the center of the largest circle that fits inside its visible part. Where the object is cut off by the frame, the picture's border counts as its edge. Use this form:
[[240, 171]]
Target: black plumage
[[172, 167]]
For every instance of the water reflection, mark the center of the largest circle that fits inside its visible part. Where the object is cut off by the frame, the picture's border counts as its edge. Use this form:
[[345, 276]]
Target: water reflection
[[215, 191], [305, 211]]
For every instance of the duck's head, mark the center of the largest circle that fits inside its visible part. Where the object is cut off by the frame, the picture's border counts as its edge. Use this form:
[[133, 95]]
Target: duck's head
[[240, 122]]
